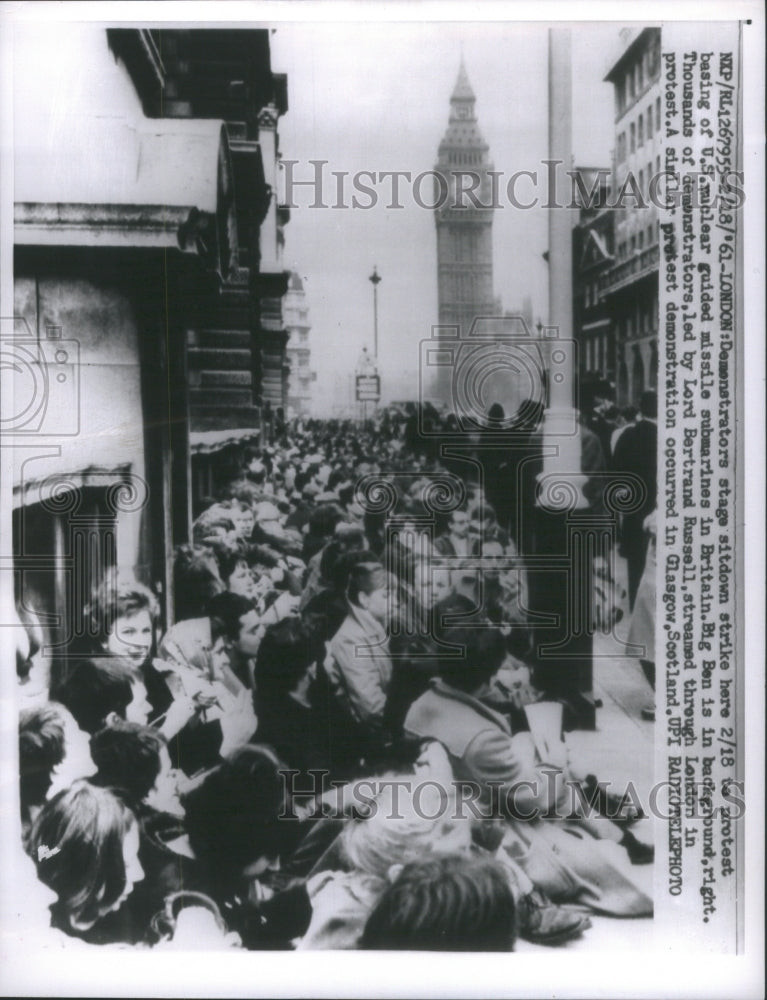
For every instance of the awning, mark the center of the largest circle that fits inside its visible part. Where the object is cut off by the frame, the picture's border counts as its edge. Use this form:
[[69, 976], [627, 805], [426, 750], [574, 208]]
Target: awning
[[208, 442], [112, 182], [125, 490]]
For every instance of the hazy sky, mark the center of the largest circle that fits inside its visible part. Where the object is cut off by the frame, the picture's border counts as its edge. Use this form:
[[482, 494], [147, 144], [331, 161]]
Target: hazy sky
[[376, 97]]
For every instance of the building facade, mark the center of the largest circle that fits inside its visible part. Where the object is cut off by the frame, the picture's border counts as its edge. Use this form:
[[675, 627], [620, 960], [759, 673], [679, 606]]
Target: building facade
[[593, 328], [629, 287], [296, 313], [143, 295]]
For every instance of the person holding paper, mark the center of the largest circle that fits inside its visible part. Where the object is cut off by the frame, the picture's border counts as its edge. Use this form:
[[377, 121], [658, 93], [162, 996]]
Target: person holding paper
[[550, 833]]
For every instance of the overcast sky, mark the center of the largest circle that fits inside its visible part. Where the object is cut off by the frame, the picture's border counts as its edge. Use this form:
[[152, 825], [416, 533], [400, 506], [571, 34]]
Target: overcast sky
[[376, 97]]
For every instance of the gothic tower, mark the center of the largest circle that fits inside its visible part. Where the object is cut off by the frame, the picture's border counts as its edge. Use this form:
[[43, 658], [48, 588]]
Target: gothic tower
[[464, 226]]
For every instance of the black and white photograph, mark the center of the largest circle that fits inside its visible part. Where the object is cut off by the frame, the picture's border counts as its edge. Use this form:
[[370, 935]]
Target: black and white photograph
[[382, 499]]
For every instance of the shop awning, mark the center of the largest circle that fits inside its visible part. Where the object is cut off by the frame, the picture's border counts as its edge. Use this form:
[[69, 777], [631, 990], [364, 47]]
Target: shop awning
[[208, 442]]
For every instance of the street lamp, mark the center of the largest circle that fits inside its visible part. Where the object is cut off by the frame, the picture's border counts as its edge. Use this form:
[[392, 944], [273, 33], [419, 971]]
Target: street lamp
[[375, 279]]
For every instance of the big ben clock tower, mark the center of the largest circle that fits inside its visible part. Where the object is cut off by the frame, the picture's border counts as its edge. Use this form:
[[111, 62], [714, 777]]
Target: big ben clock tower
[[464, 226]]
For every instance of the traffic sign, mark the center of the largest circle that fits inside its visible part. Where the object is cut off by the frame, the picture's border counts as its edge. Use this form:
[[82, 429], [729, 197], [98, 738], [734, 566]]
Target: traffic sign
[[368, 388]]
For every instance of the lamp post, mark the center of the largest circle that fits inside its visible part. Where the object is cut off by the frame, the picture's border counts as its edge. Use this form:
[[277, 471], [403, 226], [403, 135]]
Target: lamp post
[[375, 279]]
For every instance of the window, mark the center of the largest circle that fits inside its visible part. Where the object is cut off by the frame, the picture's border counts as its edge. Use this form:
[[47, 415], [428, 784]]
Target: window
[[633, 245], [630, 81], [653, 59], [632, 137], [641, 182], [640, 131], [657, 115], [649, 120], [649, 236], [641, 241], [620, 95]]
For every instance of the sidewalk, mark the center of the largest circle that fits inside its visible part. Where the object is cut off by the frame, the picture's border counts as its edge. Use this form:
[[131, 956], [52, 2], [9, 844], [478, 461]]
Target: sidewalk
[[620, 750]]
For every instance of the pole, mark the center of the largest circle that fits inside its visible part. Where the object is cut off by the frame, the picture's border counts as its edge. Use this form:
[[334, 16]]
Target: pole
[[562, 516], [375, 279], [560, 415]]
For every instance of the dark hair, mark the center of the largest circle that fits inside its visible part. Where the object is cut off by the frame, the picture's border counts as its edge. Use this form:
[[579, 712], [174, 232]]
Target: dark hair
[[42, 747], [286, 652], [364, 578], [118, 599], [229, 558], [448, 903], [228, 609], [96, 687], [128, 759], [196, 580], [77, 845], [232, 817], [648, 404], [324, 519], [484, 647]]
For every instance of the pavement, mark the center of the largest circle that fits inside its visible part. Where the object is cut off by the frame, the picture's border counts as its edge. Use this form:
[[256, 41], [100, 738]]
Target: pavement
[[619, 750]]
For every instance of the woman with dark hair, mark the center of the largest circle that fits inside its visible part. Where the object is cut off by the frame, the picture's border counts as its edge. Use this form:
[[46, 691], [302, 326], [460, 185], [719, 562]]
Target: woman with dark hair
[[122, 618], [85, 844]]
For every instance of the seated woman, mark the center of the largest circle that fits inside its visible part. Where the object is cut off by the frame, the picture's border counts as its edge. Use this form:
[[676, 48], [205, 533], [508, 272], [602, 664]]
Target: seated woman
[[451, 903], [85, 845], [53, 753]]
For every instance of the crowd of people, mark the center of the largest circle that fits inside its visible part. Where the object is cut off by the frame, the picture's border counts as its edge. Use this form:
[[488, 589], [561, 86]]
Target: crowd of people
[[330, 745]]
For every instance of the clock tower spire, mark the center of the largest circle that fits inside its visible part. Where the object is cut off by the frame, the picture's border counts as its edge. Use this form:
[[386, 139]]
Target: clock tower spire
[[464, 219]]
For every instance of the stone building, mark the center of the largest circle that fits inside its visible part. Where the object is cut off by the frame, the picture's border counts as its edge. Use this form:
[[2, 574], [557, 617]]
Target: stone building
[[147, 284], [592, 258], [629, 287]]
